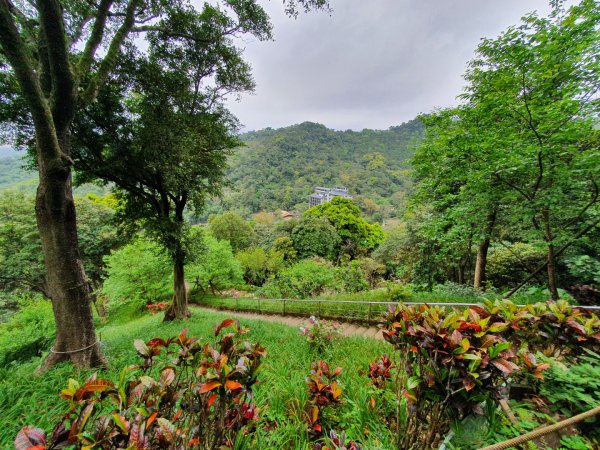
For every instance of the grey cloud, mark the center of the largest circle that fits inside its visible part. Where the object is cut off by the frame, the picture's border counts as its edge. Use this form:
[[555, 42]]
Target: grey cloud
[[372, 63]]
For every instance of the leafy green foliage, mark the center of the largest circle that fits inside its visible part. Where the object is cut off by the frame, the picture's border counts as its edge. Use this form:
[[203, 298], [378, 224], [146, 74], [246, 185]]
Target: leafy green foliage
[[315, 236], [233, 228], [21, 258], [184, 394], [304, 279], [356, 234], [508, 264], [34, 324], [137, 274], [448, 362], [351, 278], [320, 334], [217, 269], [259, 266], [313, 155], [584, 268], [575, 388]]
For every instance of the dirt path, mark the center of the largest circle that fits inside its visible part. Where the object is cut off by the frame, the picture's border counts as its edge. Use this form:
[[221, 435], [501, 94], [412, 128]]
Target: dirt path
[[346, 329]]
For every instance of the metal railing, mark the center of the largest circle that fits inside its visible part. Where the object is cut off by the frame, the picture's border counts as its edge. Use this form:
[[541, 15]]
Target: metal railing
[[321, 311]]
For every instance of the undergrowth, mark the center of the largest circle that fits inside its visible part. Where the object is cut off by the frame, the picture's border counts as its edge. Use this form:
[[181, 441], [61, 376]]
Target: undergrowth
[[281, 395]]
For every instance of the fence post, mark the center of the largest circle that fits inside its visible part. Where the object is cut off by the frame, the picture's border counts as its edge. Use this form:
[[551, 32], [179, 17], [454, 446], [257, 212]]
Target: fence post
[[319, 303], [369, 319], [284, 306]]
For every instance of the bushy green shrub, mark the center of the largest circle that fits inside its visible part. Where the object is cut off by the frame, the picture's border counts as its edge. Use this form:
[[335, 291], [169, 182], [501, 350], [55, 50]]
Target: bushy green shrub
[[584, 268], [259, 265], [29, 332], [455, 290], [217, 269], [399, 292], [304, 279], [510, 264], [351, 278], [575, 388], [138, 273]]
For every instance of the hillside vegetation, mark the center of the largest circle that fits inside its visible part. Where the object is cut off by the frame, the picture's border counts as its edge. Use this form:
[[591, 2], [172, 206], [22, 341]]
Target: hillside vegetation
[[279, 168]]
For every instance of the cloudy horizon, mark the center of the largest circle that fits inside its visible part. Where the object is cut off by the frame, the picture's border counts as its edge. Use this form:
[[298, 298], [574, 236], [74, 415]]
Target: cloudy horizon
[[369, 64]]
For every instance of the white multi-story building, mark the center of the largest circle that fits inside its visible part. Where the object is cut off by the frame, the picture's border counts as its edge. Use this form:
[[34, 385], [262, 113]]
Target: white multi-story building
[[323, 194]]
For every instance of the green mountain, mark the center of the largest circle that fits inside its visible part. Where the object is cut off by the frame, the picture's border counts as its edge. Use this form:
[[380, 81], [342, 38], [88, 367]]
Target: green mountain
[[14, 176], [278, 169]]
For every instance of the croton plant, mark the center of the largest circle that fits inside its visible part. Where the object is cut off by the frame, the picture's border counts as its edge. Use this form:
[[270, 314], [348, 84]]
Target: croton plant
[[447, 362], [185, 394]]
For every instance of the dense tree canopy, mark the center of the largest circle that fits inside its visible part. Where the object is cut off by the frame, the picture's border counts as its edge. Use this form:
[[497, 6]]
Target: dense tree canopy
[[356, 234], [523, 150]]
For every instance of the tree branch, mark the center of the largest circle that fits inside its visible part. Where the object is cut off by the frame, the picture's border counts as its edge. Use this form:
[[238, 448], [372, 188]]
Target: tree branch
[[15, 51], [63, 80], [95, 39], [109, 61]]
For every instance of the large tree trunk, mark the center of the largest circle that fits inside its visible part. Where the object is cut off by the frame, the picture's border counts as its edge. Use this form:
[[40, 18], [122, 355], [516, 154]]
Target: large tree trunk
[[179, 306], [76, 339], [482, 251], [551, 266]]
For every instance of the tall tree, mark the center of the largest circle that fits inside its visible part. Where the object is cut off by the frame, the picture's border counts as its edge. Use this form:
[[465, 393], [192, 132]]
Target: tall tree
[[162, 141], [50, 56], [537, 86], [455, 178]]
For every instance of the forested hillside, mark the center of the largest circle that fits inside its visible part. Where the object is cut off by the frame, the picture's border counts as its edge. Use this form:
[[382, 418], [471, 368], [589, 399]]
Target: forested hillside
[[12, 174], [278, 169]]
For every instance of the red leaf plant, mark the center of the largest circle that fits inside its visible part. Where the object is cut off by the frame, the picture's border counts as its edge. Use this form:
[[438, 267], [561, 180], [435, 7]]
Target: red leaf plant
[[184, 395]]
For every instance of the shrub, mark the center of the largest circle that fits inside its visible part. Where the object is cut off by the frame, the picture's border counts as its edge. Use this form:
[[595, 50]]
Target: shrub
[[446, 363], [399, 292], [34, 324], [584, 268], [350, 278], [306, 278], [258, 265], [137, 274], [509, 265], [324, 392], [574, 389], [320, 335], [183, 394], [456, 290], [217, 269]]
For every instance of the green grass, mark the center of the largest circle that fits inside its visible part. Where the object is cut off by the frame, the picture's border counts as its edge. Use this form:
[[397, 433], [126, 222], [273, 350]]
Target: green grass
[[281, 394]]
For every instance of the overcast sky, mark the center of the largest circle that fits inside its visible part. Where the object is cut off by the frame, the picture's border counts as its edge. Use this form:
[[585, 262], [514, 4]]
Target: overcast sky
[[371, 63]]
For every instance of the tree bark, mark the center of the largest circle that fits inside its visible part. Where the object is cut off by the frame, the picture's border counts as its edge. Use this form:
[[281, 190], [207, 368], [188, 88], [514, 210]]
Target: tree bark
[[179, 306], [55, 210], [551, 266], [76, 339], [482, 252]]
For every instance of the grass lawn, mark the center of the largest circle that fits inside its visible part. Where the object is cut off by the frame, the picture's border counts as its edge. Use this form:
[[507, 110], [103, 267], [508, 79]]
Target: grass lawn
[[281, 394]]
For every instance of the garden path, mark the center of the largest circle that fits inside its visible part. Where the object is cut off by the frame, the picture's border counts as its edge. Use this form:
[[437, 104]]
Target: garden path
[[346, 329]]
